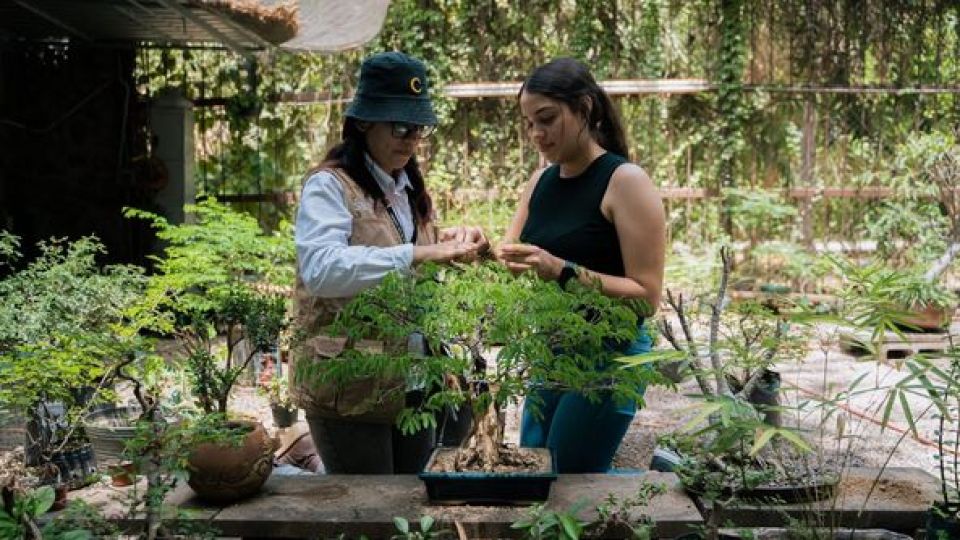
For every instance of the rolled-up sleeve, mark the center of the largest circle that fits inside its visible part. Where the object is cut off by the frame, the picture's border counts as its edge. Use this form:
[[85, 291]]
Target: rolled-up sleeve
[[329, 266]]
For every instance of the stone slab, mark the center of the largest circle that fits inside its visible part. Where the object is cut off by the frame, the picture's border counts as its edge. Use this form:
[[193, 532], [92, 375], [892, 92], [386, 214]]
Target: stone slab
[[114, 503], [329, 505], [898, 502]]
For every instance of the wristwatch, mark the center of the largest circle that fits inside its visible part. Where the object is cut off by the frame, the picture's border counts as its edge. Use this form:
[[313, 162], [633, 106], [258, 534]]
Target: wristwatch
[[568, 272]]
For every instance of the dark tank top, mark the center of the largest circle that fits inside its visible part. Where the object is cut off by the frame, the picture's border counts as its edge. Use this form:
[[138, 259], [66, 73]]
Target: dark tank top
[[564, 217]]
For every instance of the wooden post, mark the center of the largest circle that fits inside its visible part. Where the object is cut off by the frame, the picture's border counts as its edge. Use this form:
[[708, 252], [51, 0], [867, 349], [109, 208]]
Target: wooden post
[[806, 169]]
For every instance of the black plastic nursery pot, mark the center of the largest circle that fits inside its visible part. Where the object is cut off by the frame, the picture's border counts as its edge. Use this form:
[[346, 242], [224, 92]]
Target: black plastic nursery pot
[[942, 521], [284, 417], [814, 489], [491, 489]]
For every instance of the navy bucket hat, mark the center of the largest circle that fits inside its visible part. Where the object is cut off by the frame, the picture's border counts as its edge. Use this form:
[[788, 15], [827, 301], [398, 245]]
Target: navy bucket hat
[[393, 88]]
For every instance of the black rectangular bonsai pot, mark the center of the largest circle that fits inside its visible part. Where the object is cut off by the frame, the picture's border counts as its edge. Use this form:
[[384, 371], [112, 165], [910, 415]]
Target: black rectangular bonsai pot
[[488, 488]]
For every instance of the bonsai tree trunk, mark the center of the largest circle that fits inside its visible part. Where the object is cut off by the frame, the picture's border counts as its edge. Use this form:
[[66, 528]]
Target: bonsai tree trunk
[[482, 446], [946, 174], [940, 265]]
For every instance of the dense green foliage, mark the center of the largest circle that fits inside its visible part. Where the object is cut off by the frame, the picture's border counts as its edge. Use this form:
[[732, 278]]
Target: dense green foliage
[[59, 330], [745, 134], [219, 276], [538, 332]]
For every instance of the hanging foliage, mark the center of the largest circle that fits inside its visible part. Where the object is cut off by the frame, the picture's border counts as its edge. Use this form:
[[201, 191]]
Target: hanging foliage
[[250, 141]]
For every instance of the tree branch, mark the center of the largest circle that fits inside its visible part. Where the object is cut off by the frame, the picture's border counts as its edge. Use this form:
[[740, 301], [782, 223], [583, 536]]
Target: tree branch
[[726, 257]]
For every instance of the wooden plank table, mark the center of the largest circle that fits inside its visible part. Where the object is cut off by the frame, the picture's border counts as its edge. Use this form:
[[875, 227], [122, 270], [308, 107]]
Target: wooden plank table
[[313, 506]]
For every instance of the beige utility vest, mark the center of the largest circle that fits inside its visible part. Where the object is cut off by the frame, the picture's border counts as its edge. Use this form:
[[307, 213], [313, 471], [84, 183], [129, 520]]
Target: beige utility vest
[[367, 400]]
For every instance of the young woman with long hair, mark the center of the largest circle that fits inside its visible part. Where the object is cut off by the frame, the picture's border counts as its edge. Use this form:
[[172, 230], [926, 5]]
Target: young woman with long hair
[[590, 216]]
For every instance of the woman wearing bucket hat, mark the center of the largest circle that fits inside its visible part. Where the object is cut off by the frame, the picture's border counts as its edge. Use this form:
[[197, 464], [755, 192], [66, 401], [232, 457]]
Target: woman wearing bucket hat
[[364, 213], [592, 217]]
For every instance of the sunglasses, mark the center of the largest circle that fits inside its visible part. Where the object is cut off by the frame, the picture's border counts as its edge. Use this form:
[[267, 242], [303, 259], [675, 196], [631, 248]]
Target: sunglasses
[[403, 130]]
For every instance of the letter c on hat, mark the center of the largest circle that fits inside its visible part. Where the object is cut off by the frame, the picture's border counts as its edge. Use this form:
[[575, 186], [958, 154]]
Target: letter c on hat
[[416, 86]]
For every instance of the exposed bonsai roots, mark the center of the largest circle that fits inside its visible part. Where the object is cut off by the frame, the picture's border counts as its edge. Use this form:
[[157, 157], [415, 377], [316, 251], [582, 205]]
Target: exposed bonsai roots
[[484, 450]]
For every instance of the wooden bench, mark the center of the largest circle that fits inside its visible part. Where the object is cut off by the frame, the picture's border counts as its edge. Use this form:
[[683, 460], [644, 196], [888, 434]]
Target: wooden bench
[[325, 506]]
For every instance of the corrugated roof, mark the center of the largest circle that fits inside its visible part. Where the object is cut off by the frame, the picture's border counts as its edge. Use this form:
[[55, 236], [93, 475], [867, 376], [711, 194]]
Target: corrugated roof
[[241, 25]]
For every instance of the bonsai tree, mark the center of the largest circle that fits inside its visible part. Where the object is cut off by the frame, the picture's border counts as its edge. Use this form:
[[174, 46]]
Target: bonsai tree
[[918, 233], [505, 335], [67, 324], [219, 289], [920, 228], [58, 341], [732, 443], [873, 303], [220, 284], [879, 298]]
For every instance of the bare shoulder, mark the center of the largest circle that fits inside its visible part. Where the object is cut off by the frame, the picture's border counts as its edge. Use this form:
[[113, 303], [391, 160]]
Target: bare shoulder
[[535, 177], [629, 178]]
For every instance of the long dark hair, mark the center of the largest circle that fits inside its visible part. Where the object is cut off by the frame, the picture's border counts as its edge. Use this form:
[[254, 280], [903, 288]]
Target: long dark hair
[[349, 156], [568, 80]]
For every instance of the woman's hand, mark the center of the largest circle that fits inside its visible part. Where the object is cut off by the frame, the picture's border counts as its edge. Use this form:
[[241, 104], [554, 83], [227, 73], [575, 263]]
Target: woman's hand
[[466, 234], [519, 258], [445, 252]]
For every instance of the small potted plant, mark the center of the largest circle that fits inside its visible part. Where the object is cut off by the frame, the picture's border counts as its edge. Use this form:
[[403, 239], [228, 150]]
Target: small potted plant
[[219, 285], [730, 448], [281, 403], [883, 298]]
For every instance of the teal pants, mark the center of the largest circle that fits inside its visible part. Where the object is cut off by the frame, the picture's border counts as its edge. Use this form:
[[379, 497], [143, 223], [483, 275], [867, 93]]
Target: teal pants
[[583, 436]]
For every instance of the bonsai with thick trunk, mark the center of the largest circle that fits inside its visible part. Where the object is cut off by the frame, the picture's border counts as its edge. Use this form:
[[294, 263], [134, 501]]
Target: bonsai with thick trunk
[[493, 338]]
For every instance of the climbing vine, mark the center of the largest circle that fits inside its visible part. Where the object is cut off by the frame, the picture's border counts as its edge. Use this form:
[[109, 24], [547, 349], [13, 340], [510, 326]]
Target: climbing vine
[[249, 141]]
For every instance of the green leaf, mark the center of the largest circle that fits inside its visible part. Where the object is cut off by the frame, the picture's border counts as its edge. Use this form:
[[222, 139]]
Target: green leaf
[[5, 517], [10, 529], [706, 410], [887, 409], [762, 440], [908, 413], [402, 525], [795, 439], [571, 527], [426, 523], [41, 500]]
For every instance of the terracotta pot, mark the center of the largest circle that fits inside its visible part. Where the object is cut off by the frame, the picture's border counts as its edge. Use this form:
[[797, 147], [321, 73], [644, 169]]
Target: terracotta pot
[[123, 474], [222, 472], [60, 497], [929, 318]]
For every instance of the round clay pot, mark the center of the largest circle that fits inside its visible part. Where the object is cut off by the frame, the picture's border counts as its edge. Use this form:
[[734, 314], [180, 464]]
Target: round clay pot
[[222, 472], [123, 474]]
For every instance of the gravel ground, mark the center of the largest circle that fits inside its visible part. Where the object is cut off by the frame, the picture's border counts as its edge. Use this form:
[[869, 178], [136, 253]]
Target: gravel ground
[[847, 433]]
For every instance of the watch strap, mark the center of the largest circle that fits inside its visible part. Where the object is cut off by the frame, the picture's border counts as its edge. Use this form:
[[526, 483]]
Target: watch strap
[[568, 272]]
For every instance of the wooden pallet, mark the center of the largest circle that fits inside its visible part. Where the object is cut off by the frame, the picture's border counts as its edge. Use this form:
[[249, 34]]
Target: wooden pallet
[[810, 298], [896, 347]]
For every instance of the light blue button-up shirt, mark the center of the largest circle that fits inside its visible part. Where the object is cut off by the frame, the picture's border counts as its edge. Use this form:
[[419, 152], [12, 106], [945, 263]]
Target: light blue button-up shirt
[[329, 266]]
